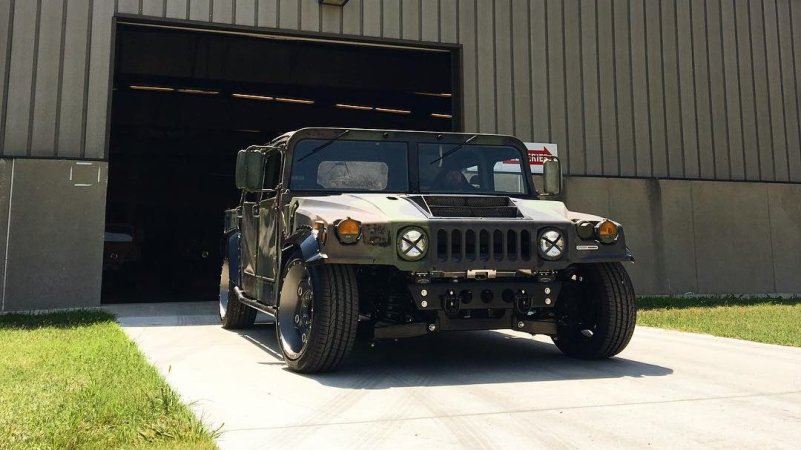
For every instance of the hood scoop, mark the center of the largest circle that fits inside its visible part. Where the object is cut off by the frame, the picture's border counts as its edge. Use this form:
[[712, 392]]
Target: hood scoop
[[469, 206]]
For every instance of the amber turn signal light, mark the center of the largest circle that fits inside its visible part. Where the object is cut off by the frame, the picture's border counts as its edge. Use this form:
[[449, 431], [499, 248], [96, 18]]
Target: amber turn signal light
[[348, 231], [606, 231]]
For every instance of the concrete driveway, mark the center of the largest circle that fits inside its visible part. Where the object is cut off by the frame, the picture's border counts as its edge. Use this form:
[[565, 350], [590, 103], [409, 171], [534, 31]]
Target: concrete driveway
[[476, 389]]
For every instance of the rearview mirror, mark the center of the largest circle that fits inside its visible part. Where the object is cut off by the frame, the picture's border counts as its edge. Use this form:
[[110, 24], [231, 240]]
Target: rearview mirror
[[552, 176], [249, 170]]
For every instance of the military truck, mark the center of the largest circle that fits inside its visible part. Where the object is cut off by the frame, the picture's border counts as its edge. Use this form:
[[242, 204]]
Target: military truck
[[400, 234]]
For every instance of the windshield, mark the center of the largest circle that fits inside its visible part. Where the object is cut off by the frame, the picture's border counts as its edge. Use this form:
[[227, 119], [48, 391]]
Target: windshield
[[471, 169], [350, 166]]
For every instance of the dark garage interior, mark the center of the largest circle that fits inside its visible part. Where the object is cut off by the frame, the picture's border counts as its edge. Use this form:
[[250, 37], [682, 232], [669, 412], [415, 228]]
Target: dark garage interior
[[186, 100]]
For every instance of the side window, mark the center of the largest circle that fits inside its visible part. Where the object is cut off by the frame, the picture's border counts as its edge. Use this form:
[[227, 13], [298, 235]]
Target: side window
[[272, 170]]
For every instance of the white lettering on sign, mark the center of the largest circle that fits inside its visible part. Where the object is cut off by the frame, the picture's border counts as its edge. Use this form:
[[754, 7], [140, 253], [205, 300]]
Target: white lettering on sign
[[537, 152]]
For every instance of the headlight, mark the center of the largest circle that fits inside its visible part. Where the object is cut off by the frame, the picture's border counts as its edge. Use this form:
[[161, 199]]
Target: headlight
[[551, 244], [606, 231], [412, 244], [348, 230]]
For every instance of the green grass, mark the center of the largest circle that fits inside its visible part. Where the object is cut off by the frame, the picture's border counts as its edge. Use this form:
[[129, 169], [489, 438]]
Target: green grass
[[769, 320], [74, 380]]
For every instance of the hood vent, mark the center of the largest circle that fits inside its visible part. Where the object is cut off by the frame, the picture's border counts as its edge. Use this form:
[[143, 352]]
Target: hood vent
[[478, 206]]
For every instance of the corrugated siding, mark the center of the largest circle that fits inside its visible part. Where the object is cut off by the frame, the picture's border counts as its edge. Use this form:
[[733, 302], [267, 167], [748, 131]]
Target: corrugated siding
[[670, 89]]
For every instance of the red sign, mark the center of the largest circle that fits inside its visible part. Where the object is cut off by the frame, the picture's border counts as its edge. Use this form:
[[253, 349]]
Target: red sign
[[535, 157]]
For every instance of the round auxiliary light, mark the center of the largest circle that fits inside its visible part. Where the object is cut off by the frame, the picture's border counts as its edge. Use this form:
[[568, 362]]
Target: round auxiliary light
[[606, 231], [412, 243], [348, 230], [551, 244], [585, 230]]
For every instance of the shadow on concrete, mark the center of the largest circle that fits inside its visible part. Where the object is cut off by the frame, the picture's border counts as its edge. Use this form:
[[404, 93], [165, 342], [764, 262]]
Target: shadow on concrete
[[457, 358]]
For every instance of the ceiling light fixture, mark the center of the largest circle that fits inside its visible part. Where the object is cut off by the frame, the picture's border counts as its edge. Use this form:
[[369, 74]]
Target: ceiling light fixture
[[393, 111], [359, 107], [140, 87], [198, 91], [441, 116], [435, 94], [253, 97], [294, 100]]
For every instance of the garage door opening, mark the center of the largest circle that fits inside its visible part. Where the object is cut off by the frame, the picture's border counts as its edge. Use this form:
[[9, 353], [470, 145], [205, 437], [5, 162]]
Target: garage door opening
[[186, 100]]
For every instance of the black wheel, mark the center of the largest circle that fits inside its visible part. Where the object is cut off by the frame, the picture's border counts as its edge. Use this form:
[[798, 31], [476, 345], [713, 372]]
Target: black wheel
[[318, 313], [597, 312], [233, 314]]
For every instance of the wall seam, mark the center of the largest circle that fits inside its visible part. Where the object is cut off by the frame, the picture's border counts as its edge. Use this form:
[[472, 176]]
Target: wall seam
[[781, 83], [614, 77], [795, 80], [34, 70], [767, 83], [581, 83], [547, 71], [8, 233], [512, 72], [475, 66], [7, 81], [725, 94], [648, 88], [664, 93], [631, 90], [565, 87], [709, 97], [678, 87], [494, 66], [88, 63], [739, 90], [598, 84], [753, 87], [60, 87]]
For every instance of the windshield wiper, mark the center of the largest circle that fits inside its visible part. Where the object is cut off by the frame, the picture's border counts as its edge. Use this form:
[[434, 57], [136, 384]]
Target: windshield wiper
[[454, 149], [323, 145]]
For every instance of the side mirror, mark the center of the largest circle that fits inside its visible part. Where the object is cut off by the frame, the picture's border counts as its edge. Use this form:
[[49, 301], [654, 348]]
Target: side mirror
[[250, 170], [552, 177]]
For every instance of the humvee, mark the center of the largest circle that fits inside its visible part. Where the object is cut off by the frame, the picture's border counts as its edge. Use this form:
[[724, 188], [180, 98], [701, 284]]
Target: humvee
[[401, 233]]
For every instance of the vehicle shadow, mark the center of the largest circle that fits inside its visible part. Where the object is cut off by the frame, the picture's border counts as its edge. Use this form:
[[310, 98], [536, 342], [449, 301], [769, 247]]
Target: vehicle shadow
[[458, 358]]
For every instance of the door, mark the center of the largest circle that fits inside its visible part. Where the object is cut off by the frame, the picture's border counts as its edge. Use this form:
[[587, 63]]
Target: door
[[269, 245]]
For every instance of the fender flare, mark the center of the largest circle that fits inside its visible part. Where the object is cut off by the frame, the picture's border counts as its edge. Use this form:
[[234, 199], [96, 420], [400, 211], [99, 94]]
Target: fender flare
[[306, 241]]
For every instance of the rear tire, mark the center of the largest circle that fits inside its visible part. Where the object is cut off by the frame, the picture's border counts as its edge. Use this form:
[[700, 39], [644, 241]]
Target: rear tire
[[317, 316], [600, 313], [233, 314]]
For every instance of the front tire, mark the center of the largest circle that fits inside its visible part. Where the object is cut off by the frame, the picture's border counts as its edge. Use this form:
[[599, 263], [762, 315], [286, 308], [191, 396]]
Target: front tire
[[317, 316], [598, 312], [233, 314]]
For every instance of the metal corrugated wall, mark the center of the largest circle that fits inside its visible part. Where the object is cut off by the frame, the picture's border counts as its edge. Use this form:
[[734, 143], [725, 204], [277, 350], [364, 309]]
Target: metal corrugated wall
[[647, 88]]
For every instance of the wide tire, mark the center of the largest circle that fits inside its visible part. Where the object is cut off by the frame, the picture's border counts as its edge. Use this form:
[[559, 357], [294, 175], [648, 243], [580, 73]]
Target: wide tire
[[233, 314], [317, 316], [605, 313]]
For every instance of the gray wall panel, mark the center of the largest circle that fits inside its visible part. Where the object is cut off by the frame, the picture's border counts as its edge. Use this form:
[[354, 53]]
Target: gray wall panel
[[732, 90], [331, 18], [775, 88], [5, 194], [624, 90], [503, 74], [267, 14], [448, 21], [789, 89], [639, 80], [573, 148], [371, 18], [538, 69], [69, 274], [391, 18], [245, 12], [310, 15], [48, 72], [687, 83], [289, 14], [156, 8], [177, 9], [761, 92], [99, 80], [429, 16], [673, 108], [222, 11], [556, 67], [717, 84], [608, 110], [654, 52], [467, 35], [590, 97], [410, 17], [200, 10], [521, 71], [72, 111], [703, 102], [20, 78], [747, 101], [128, 6], [351, 17], [6, 28], [485, 59]]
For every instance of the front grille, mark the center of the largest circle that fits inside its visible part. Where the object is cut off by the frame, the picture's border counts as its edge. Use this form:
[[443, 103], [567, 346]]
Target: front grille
[[457, 244]]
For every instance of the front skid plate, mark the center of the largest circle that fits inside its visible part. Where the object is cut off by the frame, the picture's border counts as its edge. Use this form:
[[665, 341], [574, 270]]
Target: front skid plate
[[493, 294]]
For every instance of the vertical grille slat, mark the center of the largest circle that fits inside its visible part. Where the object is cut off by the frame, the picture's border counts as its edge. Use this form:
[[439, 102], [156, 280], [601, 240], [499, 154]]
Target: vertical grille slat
[[464, 244]]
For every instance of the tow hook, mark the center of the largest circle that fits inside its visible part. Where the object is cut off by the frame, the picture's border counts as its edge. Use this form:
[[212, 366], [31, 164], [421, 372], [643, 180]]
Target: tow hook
[[522, 301], [450, 302]]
